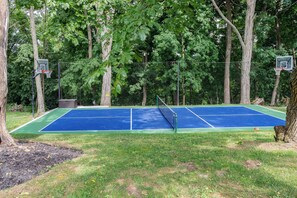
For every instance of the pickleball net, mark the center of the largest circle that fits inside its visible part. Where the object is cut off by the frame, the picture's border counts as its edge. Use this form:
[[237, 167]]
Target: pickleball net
[[167, 113]]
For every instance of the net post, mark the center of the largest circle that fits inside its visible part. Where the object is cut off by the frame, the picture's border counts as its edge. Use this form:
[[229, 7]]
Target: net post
[[175, 123], [157, 101]]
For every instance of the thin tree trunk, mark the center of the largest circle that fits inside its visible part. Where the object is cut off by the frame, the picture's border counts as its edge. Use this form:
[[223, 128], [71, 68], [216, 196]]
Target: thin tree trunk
[[144, 95], [247, 52], [274, 93], [106, 50], [278, 43], [144, 90], [288, 133], [291, 120], [183, 79], [40, 98], [228, 54], [90, 41], [5, 137], [294, 57], [184, 91], [247, 47]]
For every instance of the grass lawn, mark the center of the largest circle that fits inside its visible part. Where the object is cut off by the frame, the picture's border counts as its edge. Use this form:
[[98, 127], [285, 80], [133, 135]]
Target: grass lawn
[[15, 119], [282, 108], [237, 164]]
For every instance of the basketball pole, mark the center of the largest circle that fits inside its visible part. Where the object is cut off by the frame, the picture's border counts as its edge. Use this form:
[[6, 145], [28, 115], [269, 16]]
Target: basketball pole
[[59, 80], [177, 90], [32, 79]]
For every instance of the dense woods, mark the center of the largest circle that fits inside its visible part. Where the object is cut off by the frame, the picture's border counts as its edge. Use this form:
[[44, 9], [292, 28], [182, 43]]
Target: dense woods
[[127, 52]]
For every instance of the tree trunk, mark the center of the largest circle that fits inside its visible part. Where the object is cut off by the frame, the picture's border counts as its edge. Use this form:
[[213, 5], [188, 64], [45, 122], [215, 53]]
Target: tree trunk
[[291, 121], [289, 132], [184, 91], [40, 98], [144, 95], [278, 43], [183, 78], [5, 137], [228, 54], [246, 45], [106, 50], [274, 93], [247, 52], [90, 41], [294, 57], [144, 88]]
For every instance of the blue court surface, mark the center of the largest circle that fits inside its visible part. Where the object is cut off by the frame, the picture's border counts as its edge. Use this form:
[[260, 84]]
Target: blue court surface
[[135, 119]]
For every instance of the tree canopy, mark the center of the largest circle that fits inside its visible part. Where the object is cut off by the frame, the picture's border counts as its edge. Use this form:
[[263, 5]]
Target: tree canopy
[[180, 38]]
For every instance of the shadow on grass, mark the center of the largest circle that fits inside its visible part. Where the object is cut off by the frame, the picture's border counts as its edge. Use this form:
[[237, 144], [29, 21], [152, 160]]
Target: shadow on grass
[[25, 136]]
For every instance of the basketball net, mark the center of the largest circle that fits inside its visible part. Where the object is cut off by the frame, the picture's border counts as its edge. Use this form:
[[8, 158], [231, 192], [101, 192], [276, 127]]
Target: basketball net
[[278, 71], [47, 73]]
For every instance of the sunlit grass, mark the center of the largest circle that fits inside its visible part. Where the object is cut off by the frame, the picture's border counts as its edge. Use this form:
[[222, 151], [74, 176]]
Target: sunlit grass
[[163, 165], [16, 119], [158, 165], [281, 108]]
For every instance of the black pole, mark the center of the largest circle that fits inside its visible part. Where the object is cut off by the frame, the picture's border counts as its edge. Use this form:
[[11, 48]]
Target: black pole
[[59, 80], [177, 90], [33, 77]]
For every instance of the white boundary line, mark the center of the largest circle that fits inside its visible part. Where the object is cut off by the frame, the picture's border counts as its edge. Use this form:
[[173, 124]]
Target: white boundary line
[[96, 117], [92, 107], [271, 109], [31, 121], [131, 121], [226, 115], [200, 117], [163, 129], [266, 113], [54, 120]]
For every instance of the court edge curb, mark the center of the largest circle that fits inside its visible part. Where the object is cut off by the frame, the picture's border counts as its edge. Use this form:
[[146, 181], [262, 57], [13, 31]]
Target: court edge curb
[[54, 121], [12, 131]]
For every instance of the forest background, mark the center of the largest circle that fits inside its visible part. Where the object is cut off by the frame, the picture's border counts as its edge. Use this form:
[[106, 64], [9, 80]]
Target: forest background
[[148, 43]]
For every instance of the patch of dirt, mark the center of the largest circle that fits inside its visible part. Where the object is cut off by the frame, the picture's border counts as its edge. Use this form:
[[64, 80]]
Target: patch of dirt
[[232, 145], [121, 181], [190, 166], [28, 159], [204, 176], [252, 164], [230, 185], [243, 144], [216, 195], [278, 146], [221, 173], [134, 191]]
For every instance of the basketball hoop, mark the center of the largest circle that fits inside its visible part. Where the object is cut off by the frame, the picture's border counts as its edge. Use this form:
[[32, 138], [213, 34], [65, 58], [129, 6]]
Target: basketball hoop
[[48, 73], [278, 70]]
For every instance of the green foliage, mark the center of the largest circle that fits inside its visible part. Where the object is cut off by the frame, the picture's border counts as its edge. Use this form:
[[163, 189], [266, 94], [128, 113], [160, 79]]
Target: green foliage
[[19, 75], [188, 35], [80, 79]]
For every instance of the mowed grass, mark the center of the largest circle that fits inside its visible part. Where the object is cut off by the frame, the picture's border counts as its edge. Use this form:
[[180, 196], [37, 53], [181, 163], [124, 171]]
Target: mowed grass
[[280, 108], [15, 119], [166, 165]]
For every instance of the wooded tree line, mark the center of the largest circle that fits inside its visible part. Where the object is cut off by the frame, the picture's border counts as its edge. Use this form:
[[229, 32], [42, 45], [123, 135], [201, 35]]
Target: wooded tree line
[[127, 52]]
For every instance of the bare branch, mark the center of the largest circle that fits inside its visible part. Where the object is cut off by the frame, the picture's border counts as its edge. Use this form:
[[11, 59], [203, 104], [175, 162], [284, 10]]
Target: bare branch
[[230, 23]]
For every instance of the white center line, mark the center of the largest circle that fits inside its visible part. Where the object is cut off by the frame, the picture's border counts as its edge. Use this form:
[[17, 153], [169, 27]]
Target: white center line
[[200, 118]]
